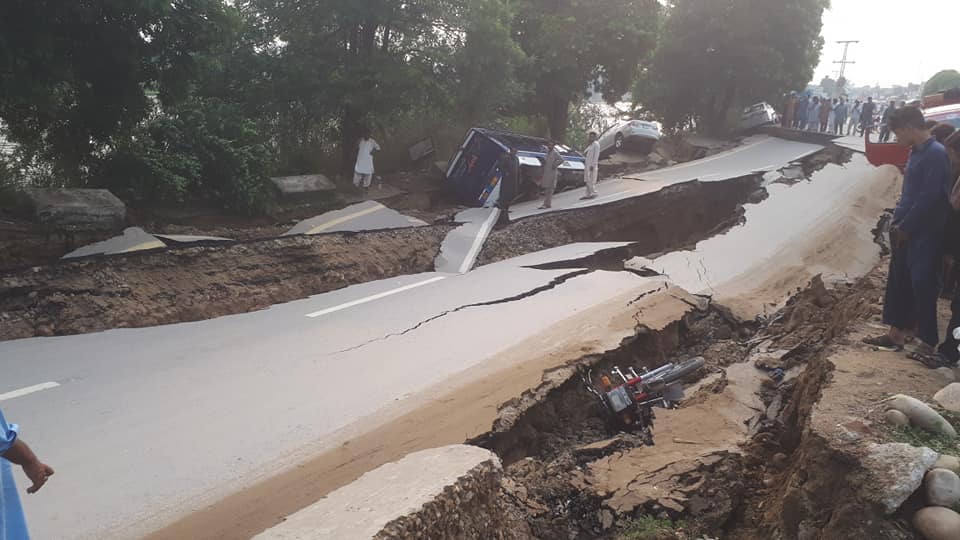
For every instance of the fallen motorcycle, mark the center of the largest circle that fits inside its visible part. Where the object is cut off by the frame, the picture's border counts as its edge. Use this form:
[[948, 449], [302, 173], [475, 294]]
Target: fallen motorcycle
[[628, 398]]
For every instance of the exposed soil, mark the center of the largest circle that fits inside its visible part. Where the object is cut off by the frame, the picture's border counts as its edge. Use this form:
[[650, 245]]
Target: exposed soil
[[202, 282], [728, 466]]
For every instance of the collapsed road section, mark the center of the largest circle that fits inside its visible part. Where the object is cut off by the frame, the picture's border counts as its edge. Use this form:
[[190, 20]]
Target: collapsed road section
[[437, 355]]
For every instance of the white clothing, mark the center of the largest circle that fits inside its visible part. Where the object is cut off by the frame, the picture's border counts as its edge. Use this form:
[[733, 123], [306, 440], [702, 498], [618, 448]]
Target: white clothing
[[365, 156], [592, 169], [362, 180]]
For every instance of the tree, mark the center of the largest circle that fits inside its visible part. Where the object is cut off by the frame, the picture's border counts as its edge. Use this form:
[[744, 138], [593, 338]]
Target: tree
[[716, 54], [829, 86], [572, 42], [74, 74], [943, 80]]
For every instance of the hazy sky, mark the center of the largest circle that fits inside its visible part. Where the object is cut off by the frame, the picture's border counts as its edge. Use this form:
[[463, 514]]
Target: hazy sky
[[899, 40]]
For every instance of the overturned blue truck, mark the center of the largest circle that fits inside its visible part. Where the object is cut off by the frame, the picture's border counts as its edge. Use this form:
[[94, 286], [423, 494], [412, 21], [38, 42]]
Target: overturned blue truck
[[474, 178]]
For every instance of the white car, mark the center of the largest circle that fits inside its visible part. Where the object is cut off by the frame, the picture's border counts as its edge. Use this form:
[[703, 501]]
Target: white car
[[629, 133], [758, 115]]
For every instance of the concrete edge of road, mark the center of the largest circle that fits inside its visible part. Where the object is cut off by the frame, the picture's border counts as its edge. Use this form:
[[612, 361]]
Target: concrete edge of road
[[458, 499]]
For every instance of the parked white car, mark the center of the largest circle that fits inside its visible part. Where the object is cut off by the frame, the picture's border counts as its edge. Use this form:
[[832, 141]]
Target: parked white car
[[758, 115], [629, 133]]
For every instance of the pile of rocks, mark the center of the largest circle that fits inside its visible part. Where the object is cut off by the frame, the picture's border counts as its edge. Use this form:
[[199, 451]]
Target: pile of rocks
[[940, 488]]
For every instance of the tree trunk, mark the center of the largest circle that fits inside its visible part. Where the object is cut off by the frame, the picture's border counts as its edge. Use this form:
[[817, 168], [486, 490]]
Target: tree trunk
[[557, 111], [350, 128]]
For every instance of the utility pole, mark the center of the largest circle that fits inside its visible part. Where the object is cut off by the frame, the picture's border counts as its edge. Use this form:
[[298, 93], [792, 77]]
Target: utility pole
[[843, 63]]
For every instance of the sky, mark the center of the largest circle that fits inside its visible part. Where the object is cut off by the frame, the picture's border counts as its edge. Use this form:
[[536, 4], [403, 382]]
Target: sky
[[899, 40]]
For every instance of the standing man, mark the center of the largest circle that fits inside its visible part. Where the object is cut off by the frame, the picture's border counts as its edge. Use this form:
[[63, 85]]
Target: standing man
[[363, 170], [509, 167], [854, 118], [840, 116], [13, 450], [592, 169], [825, 109], [885, 121], [916, 238], [551, 168], [800, 122], [866, 115]]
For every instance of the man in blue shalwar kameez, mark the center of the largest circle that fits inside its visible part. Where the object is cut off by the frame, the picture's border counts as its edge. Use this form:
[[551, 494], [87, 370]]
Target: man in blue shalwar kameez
[[13, 525]]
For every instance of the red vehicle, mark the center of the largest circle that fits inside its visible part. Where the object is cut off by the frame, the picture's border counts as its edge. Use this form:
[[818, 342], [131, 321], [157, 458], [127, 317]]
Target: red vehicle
[[943, 107]]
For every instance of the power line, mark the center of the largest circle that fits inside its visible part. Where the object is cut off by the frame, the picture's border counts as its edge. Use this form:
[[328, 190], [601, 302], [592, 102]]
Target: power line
[[844, 62]]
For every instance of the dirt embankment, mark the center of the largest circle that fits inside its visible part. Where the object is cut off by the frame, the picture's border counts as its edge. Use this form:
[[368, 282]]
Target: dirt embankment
[[671, 219], [196, 283], [739, 458]]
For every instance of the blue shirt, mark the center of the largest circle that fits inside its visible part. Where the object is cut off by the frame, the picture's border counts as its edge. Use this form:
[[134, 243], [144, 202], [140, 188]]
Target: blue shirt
[[924, 203], [13, 525]]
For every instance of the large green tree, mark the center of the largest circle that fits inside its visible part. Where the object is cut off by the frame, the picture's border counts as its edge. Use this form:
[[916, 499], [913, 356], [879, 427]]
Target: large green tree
[[943, 80], [74, 74], [717, 54], [571, 43]]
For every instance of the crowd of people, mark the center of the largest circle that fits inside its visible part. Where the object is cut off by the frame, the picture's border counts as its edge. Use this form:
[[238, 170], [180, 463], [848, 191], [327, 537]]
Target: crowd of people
[[923, 238], [838, 116]]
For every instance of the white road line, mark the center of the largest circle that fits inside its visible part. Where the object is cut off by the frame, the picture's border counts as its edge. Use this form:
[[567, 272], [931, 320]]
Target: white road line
[[28, 390], [320, 228], [478, 242], [348, 305]]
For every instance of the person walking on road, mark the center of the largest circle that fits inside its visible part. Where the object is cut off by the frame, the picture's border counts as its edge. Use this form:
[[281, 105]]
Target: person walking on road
[[13, 525], [885, 121], [363, 170], [866, 115], [916, 238], [854, 118], [592, 169], [509, 167], [551, 168]]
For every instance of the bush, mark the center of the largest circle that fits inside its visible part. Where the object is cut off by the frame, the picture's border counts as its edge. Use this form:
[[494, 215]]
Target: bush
[[205, 151]]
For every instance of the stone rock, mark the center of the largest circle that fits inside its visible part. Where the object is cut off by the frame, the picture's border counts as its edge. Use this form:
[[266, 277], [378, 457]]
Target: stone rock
[[606, 519], [949, 397], [922, 415], [942, 487], [291, 186], [896, 418], [950, 463], [892, 472], [937, 523], [80, 208], [946, 373]]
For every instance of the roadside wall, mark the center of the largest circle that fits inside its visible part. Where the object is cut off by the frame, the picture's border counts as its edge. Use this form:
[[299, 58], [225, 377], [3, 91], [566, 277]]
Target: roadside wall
[[441, 493]]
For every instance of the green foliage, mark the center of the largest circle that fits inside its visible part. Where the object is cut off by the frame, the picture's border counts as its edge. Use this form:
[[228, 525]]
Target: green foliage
[[919, 437], [203, 150], [714, 56], [73, 73], [572, 42], [651, 528], [943, 80]]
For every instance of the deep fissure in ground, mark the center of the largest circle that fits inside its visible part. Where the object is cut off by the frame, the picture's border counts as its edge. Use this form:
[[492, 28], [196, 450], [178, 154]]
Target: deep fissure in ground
[[546, 438]]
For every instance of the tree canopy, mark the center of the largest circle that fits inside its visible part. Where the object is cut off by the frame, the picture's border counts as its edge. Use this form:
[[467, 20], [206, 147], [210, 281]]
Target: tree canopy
[[715, 55], [202, 100]]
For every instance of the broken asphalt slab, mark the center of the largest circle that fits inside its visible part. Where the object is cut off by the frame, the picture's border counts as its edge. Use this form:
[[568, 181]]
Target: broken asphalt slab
[[821, 226], [459, 250], [758, 154], [365, 216], [132, 239], [136, 239]]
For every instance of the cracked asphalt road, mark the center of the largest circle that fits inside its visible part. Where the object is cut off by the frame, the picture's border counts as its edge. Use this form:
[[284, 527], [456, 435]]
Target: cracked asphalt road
[[258, 388], [154, 424]]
